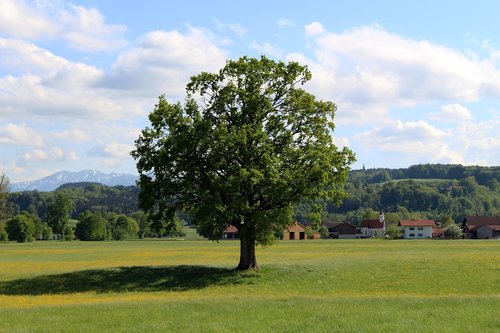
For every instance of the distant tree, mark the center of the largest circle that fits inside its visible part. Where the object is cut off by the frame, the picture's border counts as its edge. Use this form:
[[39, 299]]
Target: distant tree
[[246, 146], [309, 232], [144, 224], [125, 228], [4, 236], [21, 228], [323, 231], [453, 231], [91, 227], [47, 232], [4, 197], [447, 221], [68, 233], [59, 213], [393, 231]]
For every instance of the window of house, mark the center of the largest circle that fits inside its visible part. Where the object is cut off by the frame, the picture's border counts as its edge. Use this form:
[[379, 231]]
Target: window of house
[[412, 235], [420, 228], [412, 228], [420, 235]]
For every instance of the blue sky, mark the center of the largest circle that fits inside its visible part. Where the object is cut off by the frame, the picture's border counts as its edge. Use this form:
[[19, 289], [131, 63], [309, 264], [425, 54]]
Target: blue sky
[[414, 82]]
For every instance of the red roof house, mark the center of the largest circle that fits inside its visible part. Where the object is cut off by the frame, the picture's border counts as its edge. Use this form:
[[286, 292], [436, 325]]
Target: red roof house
[[417, 229]]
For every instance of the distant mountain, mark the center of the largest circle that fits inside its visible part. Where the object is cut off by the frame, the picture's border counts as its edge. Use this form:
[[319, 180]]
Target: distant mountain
[[52, 182]]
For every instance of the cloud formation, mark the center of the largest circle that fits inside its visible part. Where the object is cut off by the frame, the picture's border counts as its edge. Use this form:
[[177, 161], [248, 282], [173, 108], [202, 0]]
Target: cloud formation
[[81, 28]]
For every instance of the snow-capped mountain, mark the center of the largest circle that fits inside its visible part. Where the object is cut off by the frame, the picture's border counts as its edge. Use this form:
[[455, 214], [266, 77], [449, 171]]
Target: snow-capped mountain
[[52, 182]]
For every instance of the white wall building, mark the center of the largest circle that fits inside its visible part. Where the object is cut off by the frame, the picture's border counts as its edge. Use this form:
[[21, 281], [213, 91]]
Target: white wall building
[[417, 229]]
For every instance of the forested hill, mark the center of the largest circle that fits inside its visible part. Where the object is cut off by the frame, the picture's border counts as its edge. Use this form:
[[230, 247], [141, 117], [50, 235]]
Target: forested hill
[[482, 175], [86, 196], [420, 191]]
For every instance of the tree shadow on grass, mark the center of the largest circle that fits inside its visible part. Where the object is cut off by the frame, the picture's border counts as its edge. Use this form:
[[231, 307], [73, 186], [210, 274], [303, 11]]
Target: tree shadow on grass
[[125, 279]]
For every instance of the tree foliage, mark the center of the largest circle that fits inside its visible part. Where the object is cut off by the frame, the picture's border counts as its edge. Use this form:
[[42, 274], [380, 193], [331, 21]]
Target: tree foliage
[[125, 227], [4, 197], [91, 227], [22, 228], [245, 147], [59, 213]]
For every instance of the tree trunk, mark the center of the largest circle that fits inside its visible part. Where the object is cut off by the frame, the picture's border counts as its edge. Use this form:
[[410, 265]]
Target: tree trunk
[[247, 252]]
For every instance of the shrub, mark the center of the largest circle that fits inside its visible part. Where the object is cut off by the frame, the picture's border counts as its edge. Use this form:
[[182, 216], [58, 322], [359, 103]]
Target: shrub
[[323, 231], [91, 227], [125, 227], [21, 228], [392, 231], [69, 234], [3, 235], [453, 231]]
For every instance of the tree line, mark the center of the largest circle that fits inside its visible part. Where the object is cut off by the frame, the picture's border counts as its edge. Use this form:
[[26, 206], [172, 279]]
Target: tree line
[[85, 211], [98, 212]]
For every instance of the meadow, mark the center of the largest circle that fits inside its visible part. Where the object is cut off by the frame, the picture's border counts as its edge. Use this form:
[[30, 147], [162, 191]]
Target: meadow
[[302, 286]]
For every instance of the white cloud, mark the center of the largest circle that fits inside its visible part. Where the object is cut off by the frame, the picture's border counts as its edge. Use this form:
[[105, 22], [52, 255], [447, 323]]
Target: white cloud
[[88, 31], [72, 135], [163, 62], [45, 84], [420, 140], [267, 49], [370, 68], [235, 28], [112, 150], [284, 22], [20, 135], [314, 29], [452, 113], [20, 20], [54, 154], [82, 28]]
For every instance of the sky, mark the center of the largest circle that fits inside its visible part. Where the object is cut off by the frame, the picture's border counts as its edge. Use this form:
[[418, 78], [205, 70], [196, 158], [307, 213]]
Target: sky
[[414, 81]]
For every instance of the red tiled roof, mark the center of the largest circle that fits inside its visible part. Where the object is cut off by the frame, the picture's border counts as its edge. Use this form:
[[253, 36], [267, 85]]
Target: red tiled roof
[[231, 229], [482, 220], [372, 224], [417, 223], [437, 231]]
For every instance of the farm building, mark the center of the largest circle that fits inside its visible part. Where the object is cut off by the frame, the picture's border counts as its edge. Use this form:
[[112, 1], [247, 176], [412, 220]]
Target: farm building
[[481, 227], [341, 230], [297, 231]]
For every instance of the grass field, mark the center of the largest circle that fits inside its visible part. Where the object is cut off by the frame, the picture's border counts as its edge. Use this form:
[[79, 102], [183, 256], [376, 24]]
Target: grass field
[[303, 286]]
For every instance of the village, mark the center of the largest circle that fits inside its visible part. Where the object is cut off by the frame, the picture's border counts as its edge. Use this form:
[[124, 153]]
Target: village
[[473, 227]]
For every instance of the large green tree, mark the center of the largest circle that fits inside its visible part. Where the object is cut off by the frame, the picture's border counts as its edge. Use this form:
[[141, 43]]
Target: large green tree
[[246, 146]]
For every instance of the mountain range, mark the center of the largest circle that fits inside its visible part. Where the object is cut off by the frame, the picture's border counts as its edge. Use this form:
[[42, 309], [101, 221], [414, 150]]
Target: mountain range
[[52, 182]]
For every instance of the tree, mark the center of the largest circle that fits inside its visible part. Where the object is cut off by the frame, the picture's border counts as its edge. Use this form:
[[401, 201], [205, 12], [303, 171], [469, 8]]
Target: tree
[[125, 227], [453, 231], [245, 147], [392, 231], [91, 227], [22, 228], [59, 213], [4, 197], [323, 231]]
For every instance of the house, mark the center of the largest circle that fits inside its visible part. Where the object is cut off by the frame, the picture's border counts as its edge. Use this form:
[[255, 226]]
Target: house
[[230, 233], [372, 228], [437, 232], [297, 231], [341, 230], [417, 229], [481, 227]]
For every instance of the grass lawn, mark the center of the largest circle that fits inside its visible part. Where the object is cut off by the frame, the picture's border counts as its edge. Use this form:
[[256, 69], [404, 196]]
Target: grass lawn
[[303, 286]]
